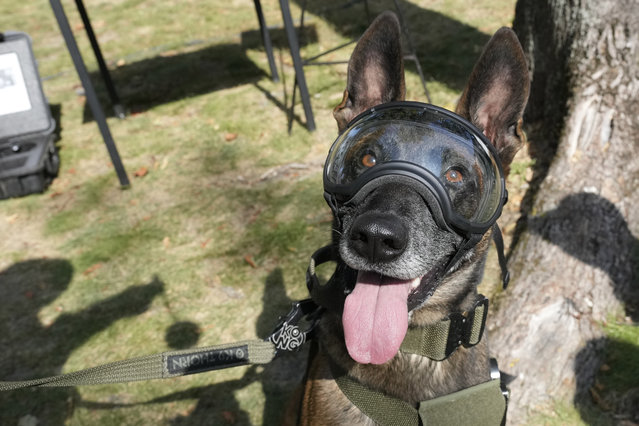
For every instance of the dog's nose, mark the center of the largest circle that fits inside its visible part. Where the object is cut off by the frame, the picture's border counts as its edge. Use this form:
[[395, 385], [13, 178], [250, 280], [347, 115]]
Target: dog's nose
[[378, 238]]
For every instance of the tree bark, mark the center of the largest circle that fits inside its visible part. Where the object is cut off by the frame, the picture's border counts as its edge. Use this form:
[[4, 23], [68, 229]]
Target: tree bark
[[575, 253]]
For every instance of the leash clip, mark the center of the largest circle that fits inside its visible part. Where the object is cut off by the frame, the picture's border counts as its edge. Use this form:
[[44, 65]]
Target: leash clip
[[290, 335]]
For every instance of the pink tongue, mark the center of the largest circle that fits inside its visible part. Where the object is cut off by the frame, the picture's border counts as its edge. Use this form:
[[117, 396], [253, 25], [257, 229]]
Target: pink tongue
[[375, 318]]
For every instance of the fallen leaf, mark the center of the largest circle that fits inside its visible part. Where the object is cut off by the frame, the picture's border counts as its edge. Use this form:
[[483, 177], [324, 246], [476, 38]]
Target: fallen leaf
[[12, 219], [248, 259], [169, 53], [230, 137], [91, 269], [597, 399], [166, 242], [254, 216], [229, 417], [141, 172], [28, 294], [205, 243]]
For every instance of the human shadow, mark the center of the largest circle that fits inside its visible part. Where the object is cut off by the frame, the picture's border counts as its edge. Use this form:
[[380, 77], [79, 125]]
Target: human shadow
[[33, 347], [216, 404], [183, 73], [593, 230], [446, 48], [278, 378]]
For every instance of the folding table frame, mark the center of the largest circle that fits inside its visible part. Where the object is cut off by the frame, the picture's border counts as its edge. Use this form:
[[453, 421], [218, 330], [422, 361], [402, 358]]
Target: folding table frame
[[89, 90], [299, 63]]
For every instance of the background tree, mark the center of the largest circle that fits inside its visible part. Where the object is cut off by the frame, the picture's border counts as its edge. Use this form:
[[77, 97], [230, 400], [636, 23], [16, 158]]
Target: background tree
[[575, 252]]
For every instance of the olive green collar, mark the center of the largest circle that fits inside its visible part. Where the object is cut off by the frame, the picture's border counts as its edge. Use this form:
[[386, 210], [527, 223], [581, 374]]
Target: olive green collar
[[438, 341]]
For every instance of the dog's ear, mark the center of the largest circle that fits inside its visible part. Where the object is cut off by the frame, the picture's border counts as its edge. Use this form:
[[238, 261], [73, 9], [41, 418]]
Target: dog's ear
[[496, 94], [375, 70]]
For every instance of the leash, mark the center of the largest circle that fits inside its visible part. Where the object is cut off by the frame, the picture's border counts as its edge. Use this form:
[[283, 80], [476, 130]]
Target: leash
[[485, 403], [292, 331]]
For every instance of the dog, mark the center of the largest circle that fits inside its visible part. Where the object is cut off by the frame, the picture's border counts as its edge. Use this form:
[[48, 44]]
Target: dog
[[397, 267]]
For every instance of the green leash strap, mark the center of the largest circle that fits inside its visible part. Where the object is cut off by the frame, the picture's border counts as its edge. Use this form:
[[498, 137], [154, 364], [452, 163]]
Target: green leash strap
[[161, 366]]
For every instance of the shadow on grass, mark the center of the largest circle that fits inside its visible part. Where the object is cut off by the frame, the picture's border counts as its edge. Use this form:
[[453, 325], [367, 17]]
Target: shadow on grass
[[616, 388], [447, 49], [171, 76], [31, 349], [216, 404]]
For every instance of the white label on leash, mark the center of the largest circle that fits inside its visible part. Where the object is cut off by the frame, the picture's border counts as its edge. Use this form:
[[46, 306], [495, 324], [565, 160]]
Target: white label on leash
[[13, 91]]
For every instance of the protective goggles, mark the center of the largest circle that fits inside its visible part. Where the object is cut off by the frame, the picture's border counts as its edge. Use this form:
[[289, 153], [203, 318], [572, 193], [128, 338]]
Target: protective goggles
[[430, 148]]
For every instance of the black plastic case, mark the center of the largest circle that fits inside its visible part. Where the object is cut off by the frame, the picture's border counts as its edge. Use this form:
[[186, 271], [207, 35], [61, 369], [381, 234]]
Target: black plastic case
[[28, 157]]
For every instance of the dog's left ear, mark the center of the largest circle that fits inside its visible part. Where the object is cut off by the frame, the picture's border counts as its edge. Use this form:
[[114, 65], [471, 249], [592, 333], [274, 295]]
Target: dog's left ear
[[497, 93], [375, 70]]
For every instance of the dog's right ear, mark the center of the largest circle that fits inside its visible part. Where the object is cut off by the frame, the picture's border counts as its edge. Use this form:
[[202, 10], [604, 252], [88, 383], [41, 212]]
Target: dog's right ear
[[375, 70]]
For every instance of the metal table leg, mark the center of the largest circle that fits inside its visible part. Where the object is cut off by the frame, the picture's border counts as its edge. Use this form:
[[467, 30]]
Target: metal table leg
[[92, 98], [104, 71], [297, 63], [266, 39]]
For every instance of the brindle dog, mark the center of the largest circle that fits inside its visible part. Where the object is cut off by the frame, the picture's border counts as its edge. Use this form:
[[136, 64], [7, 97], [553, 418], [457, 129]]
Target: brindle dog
[[493, 101]]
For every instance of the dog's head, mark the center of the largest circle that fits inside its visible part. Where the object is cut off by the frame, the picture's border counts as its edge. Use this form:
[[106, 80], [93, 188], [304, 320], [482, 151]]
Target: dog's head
[[396, 231]]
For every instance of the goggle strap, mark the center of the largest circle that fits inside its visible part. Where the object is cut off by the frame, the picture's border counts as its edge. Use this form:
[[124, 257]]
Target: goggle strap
[[469, 244], [327, 295], [332, 203], [499, 244]]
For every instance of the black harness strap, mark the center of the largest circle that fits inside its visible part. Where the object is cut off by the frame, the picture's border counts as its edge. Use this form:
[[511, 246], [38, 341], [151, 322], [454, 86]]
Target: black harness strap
[[499, 243], [330, 295]]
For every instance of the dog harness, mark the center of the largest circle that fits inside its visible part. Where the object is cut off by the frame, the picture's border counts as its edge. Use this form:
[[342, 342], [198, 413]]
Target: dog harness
[[482, 404]]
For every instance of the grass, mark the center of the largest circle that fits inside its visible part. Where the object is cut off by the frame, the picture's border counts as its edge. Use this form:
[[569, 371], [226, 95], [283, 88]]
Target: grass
[[211, 242]]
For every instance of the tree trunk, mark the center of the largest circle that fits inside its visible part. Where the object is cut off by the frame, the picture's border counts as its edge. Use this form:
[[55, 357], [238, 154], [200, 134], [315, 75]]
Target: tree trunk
[[573, 262]]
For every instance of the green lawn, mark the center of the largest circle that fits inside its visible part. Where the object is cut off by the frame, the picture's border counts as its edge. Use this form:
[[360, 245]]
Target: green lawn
[[210, 243]]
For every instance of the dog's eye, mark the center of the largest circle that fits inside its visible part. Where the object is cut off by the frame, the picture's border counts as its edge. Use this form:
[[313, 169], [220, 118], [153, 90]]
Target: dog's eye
[[454, 176], [369, 160]]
